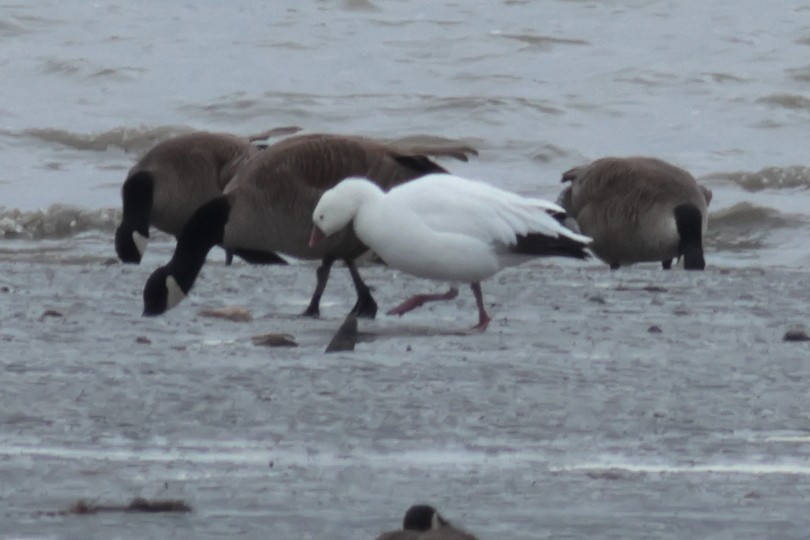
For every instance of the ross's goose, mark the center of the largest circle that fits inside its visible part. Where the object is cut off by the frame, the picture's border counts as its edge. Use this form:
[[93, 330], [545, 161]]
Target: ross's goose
[[446, 228]]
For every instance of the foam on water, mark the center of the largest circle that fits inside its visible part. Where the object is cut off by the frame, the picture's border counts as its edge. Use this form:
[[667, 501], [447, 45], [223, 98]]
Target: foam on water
[[746, 468]]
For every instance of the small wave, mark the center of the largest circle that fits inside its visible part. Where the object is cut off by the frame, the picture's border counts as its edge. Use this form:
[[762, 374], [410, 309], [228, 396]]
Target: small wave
[[82, 68], [787, 101], [9, 29], [138, 139], [752, 468], [801, 74], [797, 176], [359, 5], [56, 221], [720, 77], [545, 42], [551, 152], [746, 226]]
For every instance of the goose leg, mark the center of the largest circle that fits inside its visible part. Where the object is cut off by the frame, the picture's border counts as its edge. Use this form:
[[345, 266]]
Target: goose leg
[[483, 318], [228, 257], [419, 299], [322, 273], [666, 264], [365, 307]]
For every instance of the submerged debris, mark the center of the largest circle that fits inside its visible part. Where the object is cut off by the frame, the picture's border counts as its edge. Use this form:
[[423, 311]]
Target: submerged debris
[[138, 504], [229, 313], [275, 340], [797, 333], [50, 313], [646, 288]]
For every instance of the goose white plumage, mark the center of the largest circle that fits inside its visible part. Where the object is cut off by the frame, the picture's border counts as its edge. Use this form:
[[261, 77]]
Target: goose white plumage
[[446, 228]]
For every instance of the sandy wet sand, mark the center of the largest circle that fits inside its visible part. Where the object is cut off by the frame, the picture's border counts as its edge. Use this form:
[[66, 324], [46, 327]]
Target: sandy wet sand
[[629, 404]]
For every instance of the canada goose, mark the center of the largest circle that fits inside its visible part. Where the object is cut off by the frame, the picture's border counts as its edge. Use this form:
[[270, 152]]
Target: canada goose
[[423, 522], [638, 209], [446, 228], [173, 179], [268, 207]]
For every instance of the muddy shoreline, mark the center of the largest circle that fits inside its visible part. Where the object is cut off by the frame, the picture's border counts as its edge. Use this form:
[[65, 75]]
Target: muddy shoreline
[[629, 404]]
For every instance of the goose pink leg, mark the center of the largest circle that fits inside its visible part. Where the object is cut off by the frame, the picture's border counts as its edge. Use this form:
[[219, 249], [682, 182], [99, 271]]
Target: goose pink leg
[[419, 299], [483, 318]]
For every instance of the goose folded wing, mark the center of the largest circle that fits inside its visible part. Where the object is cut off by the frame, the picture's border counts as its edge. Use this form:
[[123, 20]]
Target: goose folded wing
[[449, 204]]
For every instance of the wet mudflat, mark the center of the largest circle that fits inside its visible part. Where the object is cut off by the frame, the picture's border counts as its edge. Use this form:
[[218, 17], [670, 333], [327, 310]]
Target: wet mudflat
[[629, 404]]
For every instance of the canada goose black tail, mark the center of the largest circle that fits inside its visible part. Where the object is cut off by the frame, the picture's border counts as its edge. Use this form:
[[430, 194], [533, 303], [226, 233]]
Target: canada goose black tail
[[133, 232], [420, 164], [689, 221], [546, 246]]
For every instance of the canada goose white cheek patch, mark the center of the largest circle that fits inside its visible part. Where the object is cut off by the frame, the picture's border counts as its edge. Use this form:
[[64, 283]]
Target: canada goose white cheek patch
[[174, 294], [140, 242]]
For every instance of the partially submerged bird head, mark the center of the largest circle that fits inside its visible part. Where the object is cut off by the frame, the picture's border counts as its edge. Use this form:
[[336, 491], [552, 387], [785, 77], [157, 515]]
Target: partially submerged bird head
[[338, 206], [423, 517], [161, 293]]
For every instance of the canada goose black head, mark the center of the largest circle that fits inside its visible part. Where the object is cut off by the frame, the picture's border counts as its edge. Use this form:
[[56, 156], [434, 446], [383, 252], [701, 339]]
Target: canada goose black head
[[170, 284], [161, 292]]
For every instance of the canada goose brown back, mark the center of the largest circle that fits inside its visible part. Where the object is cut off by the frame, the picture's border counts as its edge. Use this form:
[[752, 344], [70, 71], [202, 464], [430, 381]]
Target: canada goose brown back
[[273, 196], [268, 207], [423, 522], [171, 181], [638, 209]]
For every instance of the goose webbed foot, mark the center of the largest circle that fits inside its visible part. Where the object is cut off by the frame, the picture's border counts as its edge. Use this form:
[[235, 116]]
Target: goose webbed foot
[[322, 274], [483, 317], [365, 307], [666, 264]]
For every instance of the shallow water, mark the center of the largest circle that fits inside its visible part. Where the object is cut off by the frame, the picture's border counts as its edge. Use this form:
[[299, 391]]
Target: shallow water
[[568, 419], [715, 88]]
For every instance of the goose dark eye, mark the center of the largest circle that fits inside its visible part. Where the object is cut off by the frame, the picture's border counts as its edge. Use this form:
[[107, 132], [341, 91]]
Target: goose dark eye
[[320, 218]]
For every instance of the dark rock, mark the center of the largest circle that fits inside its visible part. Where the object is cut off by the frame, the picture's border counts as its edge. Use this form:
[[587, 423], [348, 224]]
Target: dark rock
[[797, 333]]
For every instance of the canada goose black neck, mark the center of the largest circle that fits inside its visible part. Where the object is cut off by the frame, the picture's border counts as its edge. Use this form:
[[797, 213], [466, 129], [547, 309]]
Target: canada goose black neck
[[689, 222], [137, 193], [203, 231]]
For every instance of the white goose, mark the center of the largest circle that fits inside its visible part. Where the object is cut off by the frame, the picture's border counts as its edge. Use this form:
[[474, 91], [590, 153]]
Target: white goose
[[446, 228]]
